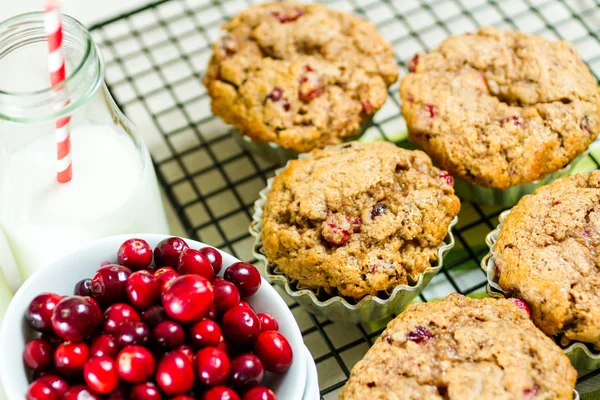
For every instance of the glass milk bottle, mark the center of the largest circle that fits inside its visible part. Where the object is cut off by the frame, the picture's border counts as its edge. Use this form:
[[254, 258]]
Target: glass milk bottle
[[113, 189]]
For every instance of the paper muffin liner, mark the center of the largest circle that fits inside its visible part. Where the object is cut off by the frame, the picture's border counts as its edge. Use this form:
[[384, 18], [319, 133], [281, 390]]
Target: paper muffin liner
[[510, 196], [330, 305], [582, 357]]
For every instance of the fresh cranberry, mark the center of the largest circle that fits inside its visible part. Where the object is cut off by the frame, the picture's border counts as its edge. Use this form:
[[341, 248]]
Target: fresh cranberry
[[100, 373], [132, 332], [222, 344], [412, 64], [259, 393], [514, 119], [533, 392], [75, 318], [187, 351], [193, 262], [154, 315], [80, 392], [288, 15], [267, 322], [188, 298], [241, 325], [246, 371], [165, 276], [522, 305], [135, 254], [41, 390], [378, 209], [109, 283], [104, 345], [245, 276], [168, 334], [38, 354], [145, 391], [70, 358], [39, 313], [118, 313], [205, 333], [274, 351], [226, 294], [142, 289], [167, 252], [214, 258], [445, 175], [175, 374], [420, 335], [83, 288], [212, 312], [244, 303], [432, 110], [57, 383], [135, 364], [220, 393], [120, 393], [212, 366]]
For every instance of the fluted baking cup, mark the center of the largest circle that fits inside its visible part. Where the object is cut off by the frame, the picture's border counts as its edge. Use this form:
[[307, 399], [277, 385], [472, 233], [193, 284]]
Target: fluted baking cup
[[582, 358], [330, 305]]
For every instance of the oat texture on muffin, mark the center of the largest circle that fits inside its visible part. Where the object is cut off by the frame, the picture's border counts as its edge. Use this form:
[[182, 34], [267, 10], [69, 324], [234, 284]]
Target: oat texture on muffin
[[299, 75], [498, 108], [358, 218], [548, 254], [462, 349]]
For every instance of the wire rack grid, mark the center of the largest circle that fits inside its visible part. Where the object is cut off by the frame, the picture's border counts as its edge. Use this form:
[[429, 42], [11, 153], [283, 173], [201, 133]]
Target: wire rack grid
[[155, 57]]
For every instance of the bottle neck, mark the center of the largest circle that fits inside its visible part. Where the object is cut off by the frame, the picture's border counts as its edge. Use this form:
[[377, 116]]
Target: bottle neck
[[25, 92]]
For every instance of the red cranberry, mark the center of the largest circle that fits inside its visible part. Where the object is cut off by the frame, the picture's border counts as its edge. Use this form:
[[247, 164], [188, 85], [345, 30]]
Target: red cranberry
[[80, 392], [187, 351], [241, 325], [244, 303], [38, 354], [259, 393], [135, 364], [212, 312], [57, 383], [104, 345], [167, 252], [275, 95], [226, 294], [118, 313], [52, 338], [522, 305], [41, 390], [267, 322], [165, 276], [212, 366], [205, 333], [432, 110], [337, 228], [412, 64], [246, 371], [445, 175], [310, 87], [120, 393], [182, 398], [368, 108], [168, 334], [175, 374], [245, 276], [188, 298], [109, 282], [220, 393], [40, 309], [420, 335], [514, 119], [533, 392], [289, 15], [378, 209], [222, 344], [132, 332], [100, 373], [154, 315], [75, 318], [193, 262], [145, 391], [135, 254], [142, 289], [70, 358], [274, 351], [214, 258], [83, 288]]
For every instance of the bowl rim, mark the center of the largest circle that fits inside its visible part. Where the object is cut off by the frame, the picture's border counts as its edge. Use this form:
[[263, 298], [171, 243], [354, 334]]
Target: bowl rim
[[13, 316]]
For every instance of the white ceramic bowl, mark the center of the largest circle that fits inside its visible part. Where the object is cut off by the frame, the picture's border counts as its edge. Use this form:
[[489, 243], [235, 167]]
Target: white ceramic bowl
[[62, 274]]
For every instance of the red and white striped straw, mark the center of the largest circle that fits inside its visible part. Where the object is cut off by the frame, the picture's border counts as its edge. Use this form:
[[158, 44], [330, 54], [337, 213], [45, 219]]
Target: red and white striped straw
[[56, 67]]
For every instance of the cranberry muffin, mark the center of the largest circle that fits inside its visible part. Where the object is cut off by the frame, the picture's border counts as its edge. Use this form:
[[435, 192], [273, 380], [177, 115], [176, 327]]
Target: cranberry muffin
[[499, 108], [462, 349], [299, 75], [358, 219], [548, 254]]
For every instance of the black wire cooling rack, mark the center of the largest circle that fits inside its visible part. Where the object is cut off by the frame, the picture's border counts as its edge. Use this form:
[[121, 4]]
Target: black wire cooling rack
[[155, 58]]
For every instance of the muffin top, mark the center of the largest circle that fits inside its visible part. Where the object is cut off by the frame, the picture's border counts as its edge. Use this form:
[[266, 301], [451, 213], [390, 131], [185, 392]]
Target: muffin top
[[499, 108], [548, 254], [462, 349], [300, 75], [359, 218]]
